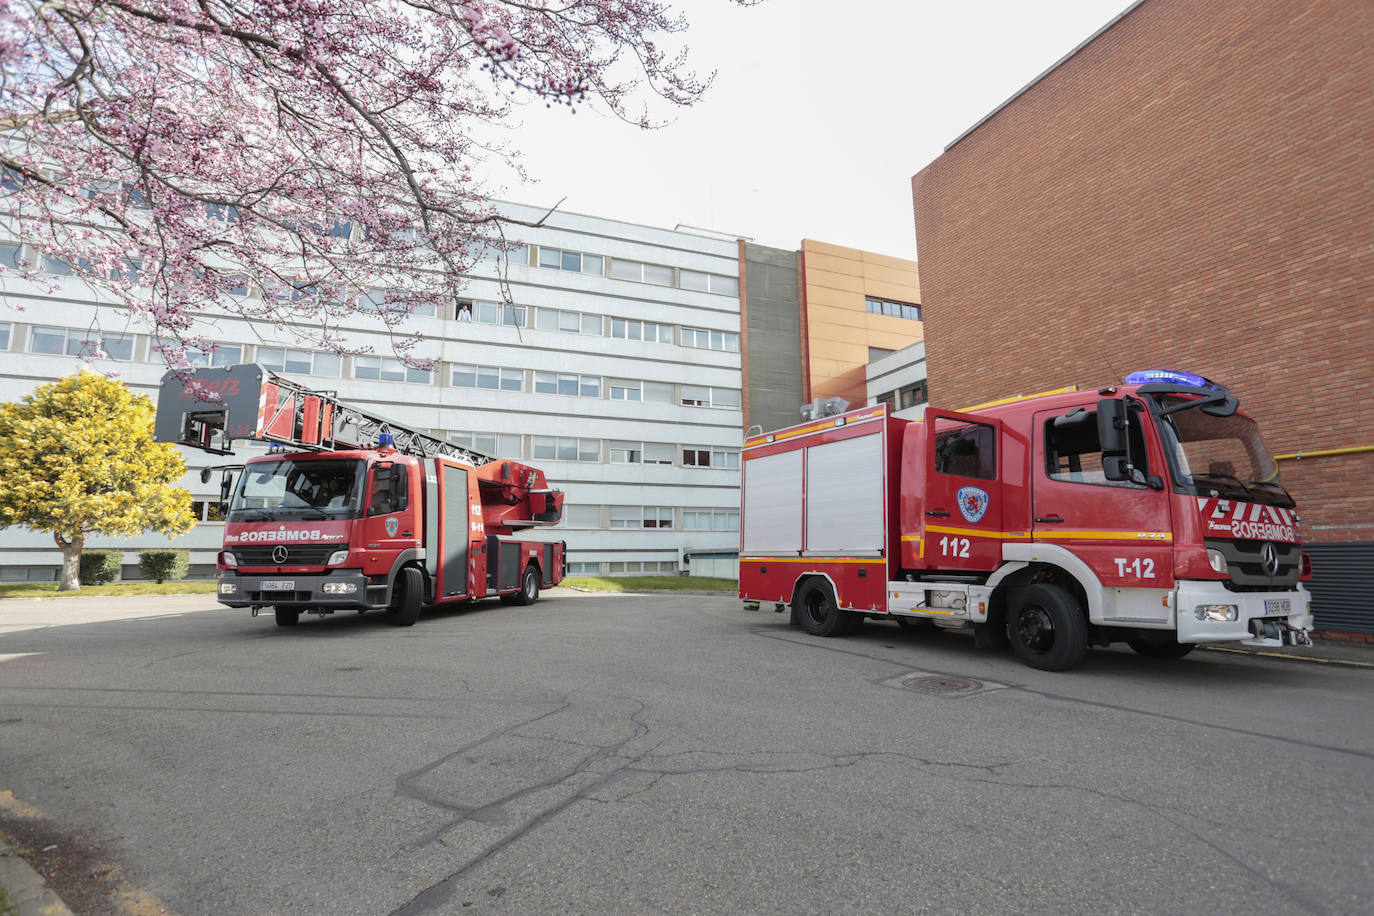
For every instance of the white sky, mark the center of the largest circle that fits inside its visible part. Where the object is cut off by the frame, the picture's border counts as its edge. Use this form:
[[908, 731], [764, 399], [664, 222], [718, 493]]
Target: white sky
[[819, 115]]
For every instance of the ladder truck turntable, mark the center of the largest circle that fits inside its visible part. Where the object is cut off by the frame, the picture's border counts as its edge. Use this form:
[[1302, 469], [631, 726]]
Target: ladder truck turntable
[[1147, 512], [351, 511]]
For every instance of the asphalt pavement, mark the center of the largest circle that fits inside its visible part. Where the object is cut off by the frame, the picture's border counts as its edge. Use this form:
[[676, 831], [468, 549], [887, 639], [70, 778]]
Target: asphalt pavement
[[32, 896]]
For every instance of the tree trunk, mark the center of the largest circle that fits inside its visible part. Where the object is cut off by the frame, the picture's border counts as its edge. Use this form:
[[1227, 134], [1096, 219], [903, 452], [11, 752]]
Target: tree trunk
[[71, 562]]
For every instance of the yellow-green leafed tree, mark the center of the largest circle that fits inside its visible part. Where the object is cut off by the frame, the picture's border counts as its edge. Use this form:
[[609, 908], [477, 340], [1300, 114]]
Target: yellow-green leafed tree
[[77, 457]]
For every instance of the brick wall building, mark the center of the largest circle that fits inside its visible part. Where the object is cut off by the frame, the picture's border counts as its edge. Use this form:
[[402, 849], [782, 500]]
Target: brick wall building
[[1192, 188]]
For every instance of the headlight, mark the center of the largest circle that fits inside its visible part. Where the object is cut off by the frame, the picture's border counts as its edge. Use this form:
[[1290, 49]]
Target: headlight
[[339, 588], [1216, 612], [227, 558], [1216, 560], [227, 588], [337, 557]]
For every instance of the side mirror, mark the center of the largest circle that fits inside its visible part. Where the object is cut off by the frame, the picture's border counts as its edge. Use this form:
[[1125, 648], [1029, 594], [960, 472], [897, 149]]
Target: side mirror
[[1114, 467], [1111, 428], [205, 475]]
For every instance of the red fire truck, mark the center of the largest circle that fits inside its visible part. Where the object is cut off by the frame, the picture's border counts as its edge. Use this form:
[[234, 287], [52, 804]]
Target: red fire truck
[[1148, 512], [361, 514]]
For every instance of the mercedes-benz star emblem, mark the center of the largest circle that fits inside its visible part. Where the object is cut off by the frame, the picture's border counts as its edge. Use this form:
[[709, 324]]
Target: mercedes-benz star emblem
[[1269, 556], [279, 554]]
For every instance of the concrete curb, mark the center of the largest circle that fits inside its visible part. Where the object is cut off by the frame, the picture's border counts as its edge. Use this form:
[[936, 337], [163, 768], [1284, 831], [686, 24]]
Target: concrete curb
[[26, 888]]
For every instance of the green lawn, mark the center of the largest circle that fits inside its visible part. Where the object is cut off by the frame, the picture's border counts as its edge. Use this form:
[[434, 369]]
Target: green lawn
[[49, 589], [652, 584]]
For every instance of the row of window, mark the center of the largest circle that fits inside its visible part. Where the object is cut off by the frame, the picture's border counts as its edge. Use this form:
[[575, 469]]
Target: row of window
[[635, 271], [94, 344], [621, 567], [641, 517], [620, 451], [893, 308], [904, 397], [592, 324]]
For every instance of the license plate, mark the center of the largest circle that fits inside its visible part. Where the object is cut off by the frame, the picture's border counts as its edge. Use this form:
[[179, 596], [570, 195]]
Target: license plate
[[278, 585], [1275, 606]]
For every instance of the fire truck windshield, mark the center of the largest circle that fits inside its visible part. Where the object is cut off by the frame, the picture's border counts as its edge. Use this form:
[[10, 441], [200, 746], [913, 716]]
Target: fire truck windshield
[[298, 489], [1220, 456]]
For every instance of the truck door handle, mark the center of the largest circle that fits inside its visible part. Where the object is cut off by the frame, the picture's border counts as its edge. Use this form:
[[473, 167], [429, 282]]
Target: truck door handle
[[1050, 519], [938, 513]]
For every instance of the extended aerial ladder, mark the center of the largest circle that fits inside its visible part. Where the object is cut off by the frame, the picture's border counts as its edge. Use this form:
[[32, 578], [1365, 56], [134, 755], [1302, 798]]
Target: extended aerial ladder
[[210, 408]]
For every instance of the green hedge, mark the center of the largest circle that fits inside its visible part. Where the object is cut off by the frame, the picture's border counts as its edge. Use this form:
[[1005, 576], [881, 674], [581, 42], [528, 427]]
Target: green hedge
[[99, 567], [164, 564]]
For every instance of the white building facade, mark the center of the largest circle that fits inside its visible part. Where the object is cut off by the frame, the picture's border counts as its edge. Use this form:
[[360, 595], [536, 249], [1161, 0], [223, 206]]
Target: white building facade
[[616, 370]]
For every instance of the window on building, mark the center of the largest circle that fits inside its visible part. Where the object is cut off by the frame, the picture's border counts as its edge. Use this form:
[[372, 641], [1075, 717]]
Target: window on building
[[584, 569], [711, 457], [223, 354], [566, 448], [581, 516], [913, 395], [58, 267], [575, 261], [299, 362], [658, 393], [642, 452], [657, 274], [566, 383], [388, 369], [206, 511], [4, 335], [497, 445], [515, 254], [374, 302], [12, 256], [890, 399], [496, 313], [702, 396], [493, 378], [568, 322], [703, 339], [892, 308], [641, 330], [87, 344], [641, 516], [625, 390], [719, 284], [710, 519]]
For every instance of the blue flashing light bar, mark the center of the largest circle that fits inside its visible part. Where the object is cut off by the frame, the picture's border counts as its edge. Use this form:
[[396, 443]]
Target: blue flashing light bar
[[1146, 376], [386, 440]]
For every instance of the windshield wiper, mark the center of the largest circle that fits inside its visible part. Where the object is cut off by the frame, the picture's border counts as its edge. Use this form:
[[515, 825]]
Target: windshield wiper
[[1241, 483], [1276, 486], [251, 515]]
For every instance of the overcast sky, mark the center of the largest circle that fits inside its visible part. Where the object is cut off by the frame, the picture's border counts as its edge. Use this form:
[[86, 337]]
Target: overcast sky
[[819, 115]]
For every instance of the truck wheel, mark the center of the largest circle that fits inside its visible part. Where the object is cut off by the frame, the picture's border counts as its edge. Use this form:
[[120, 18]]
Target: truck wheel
[[1159, 645], [529, 589], [1046, 627], [287, 616], [407, 594], [820, 615]]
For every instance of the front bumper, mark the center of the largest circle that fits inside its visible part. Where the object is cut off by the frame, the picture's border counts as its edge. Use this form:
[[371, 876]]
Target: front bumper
[[1262, 618], [245, 589]]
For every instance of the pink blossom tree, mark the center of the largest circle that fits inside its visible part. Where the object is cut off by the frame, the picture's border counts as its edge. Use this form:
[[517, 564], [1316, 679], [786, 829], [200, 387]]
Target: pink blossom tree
[[172, 151]]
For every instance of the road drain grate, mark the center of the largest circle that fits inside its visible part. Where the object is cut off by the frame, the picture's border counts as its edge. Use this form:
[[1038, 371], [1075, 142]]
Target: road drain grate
[[941, 684]]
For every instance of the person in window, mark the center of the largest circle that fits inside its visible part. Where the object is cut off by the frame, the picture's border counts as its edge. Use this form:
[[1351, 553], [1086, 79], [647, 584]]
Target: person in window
[[464, 314], [335, 492]]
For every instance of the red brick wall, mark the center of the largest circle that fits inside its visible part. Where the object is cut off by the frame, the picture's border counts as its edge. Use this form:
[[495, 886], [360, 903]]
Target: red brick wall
[[1193, 189]]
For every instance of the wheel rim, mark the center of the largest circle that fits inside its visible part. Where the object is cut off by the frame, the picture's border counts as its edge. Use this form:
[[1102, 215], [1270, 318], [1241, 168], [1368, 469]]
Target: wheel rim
[[529, 585], [1036, 629], [815, 608]]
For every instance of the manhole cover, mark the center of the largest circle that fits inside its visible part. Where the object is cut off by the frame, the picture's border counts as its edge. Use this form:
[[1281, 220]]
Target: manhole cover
[[942, 684]]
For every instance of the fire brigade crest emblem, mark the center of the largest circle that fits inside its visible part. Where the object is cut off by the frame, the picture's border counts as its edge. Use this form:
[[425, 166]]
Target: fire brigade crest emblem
[[973, 503], [392, 524]]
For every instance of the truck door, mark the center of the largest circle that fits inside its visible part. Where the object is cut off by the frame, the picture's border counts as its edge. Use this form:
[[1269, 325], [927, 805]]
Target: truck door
[[1122, 530], [390, 525], [963, 492]]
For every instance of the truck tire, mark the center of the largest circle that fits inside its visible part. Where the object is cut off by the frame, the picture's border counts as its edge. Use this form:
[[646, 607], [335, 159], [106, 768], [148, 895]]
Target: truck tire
[[819, 614], [287, 616], [1047, 628], [1159, 645], [529, 589], [407, 595]]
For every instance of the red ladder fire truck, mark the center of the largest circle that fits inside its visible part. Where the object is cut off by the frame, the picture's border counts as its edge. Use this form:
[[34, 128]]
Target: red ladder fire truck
[[1148, 512], [363, 513]]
